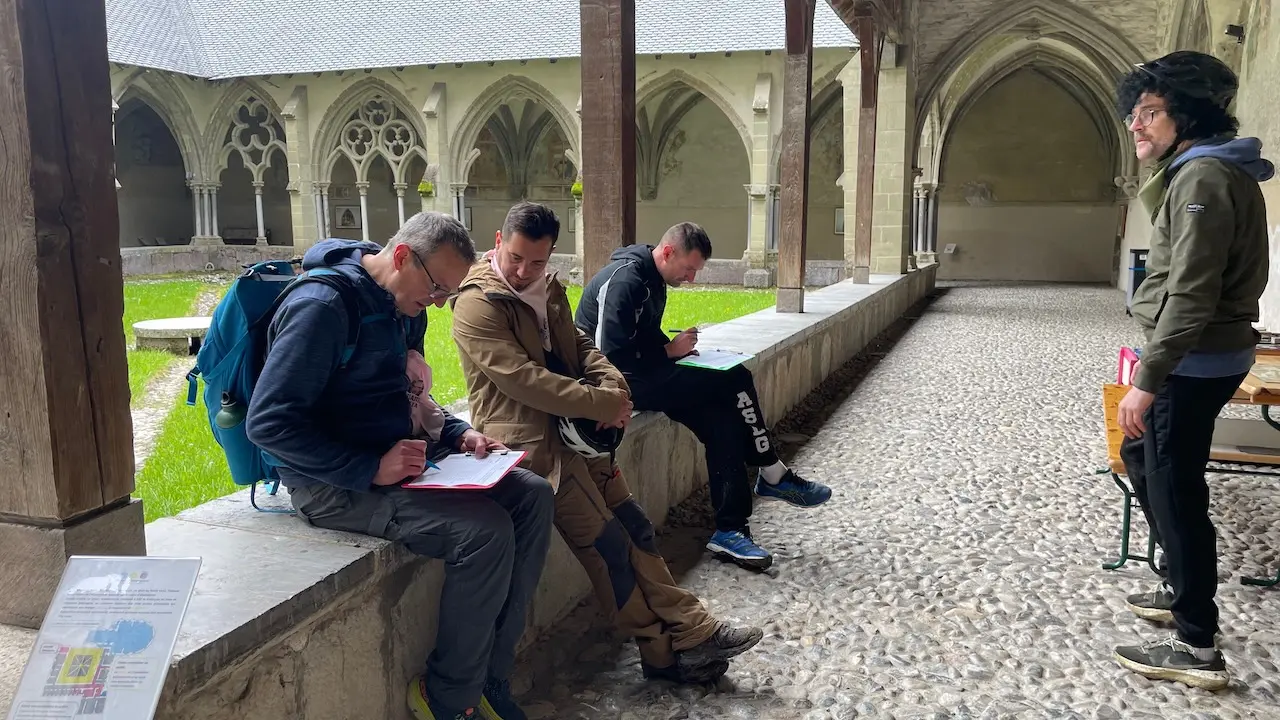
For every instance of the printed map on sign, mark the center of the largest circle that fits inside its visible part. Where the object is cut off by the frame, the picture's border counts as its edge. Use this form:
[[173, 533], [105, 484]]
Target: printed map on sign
[[107, 640]]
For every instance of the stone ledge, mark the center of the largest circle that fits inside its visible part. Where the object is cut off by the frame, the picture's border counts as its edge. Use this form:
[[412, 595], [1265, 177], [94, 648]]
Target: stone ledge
[[287, 619]]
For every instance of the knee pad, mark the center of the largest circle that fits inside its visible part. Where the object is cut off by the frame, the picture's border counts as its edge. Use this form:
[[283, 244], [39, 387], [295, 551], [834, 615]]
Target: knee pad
[[638, 526], [612, 547]]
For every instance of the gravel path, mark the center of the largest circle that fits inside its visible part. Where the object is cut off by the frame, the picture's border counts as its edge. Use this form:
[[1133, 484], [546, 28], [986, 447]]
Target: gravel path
[[956, 573]]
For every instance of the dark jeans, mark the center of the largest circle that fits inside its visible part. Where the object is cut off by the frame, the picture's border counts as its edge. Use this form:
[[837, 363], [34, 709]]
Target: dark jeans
[[723, 411], [494, 544], [1166, 466]]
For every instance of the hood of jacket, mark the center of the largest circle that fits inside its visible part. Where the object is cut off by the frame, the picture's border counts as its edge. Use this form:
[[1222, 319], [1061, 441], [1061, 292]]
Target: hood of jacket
[[1244, 152], [483, 276]]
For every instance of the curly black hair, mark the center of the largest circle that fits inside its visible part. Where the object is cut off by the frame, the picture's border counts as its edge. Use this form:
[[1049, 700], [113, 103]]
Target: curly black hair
[[1195, 116]]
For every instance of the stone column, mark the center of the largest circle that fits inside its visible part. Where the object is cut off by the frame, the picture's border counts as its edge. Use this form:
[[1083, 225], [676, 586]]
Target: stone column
[[257, 199], [891, 218], [579, 241], [760, 234], [757, 252], [66, 440], [917, 221], [458, 195], [213, 205], [363, 187], [931, 223], [195, 211], [308, 223], [326, 218], [400, 188], [436, 141], [851, 82]]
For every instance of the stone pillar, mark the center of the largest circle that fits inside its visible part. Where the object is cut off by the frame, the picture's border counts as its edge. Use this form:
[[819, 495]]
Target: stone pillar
[[326, 218], [66, 439], [757, 252], [865, 184], [308, 223], [891, 219], [797, 80], [195, 211], [458, 202], [917, 221], [363, 187], [930, 223], [760, 231], [257, 199], [400, 188], [213, 204], [436, 140], [608, 139], [579, 241]]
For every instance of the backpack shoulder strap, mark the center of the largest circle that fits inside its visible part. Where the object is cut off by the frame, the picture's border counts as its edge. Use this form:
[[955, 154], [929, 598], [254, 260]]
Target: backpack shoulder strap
[[342, 286]]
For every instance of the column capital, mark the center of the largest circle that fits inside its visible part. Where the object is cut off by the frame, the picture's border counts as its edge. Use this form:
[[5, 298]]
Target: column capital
[[1129, 185], [400, 188], [758, 190], [457, 188], [323, 187], [363, 187], [258, 185]]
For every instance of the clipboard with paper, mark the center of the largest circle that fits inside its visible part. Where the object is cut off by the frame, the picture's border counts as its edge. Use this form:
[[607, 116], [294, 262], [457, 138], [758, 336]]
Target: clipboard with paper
[[463, 471], [714, 359]]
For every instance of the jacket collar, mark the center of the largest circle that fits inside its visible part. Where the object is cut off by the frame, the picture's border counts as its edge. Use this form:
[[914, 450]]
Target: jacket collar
[[482, 276]]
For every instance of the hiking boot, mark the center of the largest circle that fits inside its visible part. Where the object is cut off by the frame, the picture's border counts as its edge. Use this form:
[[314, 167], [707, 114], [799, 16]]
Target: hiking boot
[[738, 547], [687, 673], [424, 708], [726, 642], [793, 489], [1172, 659], [497, 703], [1155, 605]]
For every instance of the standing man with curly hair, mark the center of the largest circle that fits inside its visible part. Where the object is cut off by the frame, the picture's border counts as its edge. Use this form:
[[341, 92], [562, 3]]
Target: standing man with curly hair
[[1207, 267]]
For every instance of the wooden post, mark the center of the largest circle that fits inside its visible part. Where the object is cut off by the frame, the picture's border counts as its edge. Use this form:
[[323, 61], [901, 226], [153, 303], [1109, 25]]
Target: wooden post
[[797, 78], [608, 139], [869, 50], [66, 439]]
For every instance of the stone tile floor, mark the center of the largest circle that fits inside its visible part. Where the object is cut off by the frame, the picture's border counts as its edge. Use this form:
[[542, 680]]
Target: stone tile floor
[[956, 573]]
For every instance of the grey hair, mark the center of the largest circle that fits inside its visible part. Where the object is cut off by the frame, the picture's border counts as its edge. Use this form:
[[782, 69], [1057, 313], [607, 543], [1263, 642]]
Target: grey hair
[[427, 232]]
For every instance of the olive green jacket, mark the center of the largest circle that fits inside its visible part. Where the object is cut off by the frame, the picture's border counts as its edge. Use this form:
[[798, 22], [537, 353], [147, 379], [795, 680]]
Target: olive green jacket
[[1207, 265]]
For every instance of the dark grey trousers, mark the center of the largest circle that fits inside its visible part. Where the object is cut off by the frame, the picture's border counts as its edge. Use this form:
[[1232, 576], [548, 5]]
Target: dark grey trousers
[[494, 544]]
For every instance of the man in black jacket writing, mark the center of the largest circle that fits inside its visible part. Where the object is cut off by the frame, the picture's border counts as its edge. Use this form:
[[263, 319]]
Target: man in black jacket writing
[[622, 309]]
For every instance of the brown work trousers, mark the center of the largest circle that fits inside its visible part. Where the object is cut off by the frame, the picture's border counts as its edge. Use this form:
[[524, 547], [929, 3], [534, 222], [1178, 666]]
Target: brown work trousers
[[614, 540]]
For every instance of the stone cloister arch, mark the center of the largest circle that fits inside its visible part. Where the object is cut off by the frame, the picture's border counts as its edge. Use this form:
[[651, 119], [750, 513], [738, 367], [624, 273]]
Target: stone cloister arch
[[158, 163], [1065, 62], [246, 145], [370, 151], [516, 141], [693, 160]]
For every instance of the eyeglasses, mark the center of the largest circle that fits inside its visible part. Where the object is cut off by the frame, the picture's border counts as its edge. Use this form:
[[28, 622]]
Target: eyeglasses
[[438, 291], [1146, 115]]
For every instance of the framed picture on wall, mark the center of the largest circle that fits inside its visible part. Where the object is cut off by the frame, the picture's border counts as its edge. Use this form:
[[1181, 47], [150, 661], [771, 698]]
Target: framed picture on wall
[[466, 218], [346, 217], [839, 221]]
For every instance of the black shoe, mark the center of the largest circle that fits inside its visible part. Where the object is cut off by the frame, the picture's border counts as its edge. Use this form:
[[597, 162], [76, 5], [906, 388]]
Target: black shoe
[[1155, 605], [689, 674], [1172, 659], [497, 703], [725, 643]]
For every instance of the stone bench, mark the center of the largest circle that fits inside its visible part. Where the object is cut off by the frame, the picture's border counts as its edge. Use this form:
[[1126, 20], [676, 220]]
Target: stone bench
[[291, 621], [177, 335]]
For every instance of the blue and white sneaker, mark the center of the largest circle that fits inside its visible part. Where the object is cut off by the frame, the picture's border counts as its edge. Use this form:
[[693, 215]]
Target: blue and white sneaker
[[794, 489], [738, 547]]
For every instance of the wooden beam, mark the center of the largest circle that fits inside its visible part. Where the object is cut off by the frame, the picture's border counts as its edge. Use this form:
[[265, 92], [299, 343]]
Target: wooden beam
[[66, 438], [869, 52], [608, 139], [794, 174]]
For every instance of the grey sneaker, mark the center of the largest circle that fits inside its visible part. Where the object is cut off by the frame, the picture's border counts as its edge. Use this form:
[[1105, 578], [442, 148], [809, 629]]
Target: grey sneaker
[[726, 642], [1172, 659], [1155, 605]]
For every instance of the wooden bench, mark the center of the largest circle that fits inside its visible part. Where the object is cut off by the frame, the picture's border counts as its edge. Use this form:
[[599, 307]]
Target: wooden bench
[[1240, 447], [243, 236]]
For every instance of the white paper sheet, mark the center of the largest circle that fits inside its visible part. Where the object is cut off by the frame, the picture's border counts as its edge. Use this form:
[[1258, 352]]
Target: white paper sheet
[[466, 472], [714, 359]]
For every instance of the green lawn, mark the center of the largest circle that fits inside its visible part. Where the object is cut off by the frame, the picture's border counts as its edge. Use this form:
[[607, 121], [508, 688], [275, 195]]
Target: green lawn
[[152, 299], [188, 468]]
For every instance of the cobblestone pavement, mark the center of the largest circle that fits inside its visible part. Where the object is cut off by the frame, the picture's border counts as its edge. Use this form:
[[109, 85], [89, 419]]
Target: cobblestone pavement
[[956, 572]]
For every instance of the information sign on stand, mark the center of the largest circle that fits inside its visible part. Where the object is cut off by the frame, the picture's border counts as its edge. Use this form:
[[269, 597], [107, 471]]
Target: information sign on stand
[[105, 645]]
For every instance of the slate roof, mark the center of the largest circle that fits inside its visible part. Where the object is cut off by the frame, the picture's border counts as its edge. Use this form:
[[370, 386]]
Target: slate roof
[[239, 38]]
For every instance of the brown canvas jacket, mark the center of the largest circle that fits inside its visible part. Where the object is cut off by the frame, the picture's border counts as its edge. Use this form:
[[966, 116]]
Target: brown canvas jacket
[[512, 395]]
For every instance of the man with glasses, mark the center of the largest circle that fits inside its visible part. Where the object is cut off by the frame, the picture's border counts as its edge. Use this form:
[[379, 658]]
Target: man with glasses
[[1206, 269], [347, 431]]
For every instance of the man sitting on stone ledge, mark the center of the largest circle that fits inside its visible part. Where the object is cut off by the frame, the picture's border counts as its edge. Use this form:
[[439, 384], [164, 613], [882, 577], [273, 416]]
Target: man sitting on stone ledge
[[527, 367], [622, 308], [348, 435]]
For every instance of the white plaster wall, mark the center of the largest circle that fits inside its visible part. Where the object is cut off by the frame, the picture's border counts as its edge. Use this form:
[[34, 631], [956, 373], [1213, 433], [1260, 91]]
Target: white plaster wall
[[1062, 242]]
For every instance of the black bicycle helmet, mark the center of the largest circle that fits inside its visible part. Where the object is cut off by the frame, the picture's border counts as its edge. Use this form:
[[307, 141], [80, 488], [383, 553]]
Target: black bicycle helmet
[[581, 436], [1195, 75]]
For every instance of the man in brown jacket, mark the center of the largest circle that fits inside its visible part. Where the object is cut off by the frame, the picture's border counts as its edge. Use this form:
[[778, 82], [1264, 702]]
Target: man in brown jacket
[[527, 366]]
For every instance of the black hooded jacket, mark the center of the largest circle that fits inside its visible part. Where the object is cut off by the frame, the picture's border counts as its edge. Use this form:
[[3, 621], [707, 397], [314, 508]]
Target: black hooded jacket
[[621, 309]]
